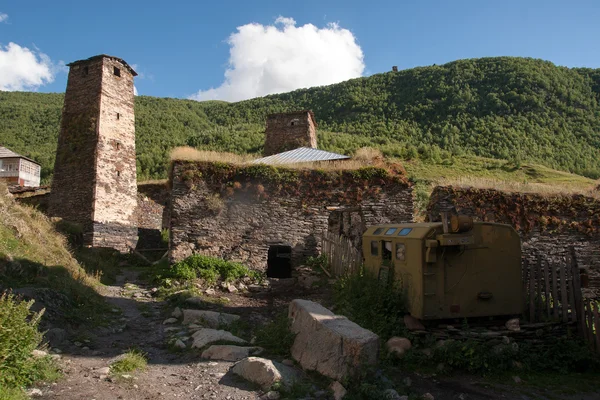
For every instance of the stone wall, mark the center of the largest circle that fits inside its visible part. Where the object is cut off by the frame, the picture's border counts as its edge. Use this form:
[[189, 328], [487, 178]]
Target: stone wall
[[94, 181], [288, 131], [550, 227], [237, 212]]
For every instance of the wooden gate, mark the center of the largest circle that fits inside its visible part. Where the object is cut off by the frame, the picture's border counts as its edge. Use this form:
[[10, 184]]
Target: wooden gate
[[343, 257], [553, 294]]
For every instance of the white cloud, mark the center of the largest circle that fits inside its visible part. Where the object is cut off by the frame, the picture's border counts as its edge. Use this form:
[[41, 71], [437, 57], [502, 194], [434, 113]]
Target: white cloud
[[283, 57], [24, 69], [3, 17]]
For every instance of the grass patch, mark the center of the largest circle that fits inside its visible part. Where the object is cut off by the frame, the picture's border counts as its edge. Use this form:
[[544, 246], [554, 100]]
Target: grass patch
[[133, 360], [276, 337], [211, 269], [10, 393]]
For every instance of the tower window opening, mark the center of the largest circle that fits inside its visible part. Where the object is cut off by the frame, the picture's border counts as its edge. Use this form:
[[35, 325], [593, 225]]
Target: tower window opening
[[118, 116], [117, 71], [86, 70], [118, 173]]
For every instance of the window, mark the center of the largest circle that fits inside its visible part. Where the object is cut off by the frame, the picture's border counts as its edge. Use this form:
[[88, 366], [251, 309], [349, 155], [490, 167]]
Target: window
[[400, 252], [378, 231], [118, 145], [404, 231], [118, 116], [295, 122], [390, 231], [117, 71], [374, 248], [86, 70], [386, 251], [118, 173]]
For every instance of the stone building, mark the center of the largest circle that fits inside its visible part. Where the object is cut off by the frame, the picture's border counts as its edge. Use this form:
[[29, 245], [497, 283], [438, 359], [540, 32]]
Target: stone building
[[272, 218], [94, 181], [18, 170], [288, 131]]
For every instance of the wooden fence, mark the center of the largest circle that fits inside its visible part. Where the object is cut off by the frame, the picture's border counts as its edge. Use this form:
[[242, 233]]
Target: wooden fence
[[553, 294], [342, 255]]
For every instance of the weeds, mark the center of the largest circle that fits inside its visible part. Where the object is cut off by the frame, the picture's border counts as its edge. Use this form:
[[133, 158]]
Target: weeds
[[211, 269], [131, 361], [276, 337], [19, 336], [372, 304]]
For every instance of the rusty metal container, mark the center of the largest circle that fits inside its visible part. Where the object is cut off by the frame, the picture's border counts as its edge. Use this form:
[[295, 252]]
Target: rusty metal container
[[473, 270]]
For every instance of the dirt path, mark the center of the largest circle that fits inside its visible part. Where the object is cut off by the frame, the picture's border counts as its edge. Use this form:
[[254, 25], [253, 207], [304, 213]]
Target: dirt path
[[168, 375]]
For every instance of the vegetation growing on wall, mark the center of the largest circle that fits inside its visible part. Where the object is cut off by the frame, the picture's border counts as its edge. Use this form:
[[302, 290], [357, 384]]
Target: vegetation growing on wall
[[525, 211], [517, 109]]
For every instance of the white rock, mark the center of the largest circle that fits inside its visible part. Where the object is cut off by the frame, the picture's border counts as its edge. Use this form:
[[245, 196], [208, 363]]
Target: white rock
[[38, 353], [210, 291], [428, 396], [211, 319], [231, 288], [391, 394], [265, 372], [398, 346], [328, 343], [513, 325], [272, 395], [170, 321], [179, 344], [339, 391], [176, 313], [103, 370], [34, 392], [229, 352], [206, 336]]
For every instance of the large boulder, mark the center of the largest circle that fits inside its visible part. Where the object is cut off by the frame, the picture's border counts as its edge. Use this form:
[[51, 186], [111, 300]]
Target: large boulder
[[229, 352], [210, 319], [265, 372], [206, 336], [328, 343]]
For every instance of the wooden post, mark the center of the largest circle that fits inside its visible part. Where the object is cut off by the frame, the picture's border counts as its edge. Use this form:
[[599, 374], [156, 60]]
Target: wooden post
[[571, 290], [531, 293], [547, 287], [554, 293], [578, 297], [539, 304], [563, 293]]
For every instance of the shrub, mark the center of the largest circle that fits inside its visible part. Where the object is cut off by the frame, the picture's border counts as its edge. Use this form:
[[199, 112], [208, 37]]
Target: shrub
[[372, 304], [210, 269], [19, 336]]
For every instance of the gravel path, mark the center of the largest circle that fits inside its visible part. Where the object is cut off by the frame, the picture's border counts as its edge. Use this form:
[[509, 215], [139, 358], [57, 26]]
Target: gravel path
[[168, 375]]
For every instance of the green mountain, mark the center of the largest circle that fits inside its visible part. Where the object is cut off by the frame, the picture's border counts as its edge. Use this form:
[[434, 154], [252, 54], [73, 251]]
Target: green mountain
[[518, 109]]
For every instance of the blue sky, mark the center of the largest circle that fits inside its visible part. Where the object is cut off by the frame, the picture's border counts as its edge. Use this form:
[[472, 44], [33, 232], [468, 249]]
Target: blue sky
[[180, 48]]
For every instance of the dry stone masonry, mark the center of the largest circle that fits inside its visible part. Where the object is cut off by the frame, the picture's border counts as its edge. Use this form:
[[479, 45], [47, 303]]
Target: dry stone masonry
[[288, 131], [245, 213], [549, 226], [94, 181]]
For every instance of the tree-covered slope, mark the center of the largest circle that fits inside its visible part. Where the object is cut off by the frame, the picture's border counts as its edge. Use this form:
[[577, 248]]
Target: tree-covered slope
[[504, 107]]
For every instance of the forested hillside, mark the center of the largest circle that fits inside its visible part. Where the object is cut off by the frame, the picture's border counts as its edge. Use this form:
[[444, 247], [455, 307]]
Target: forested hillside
[[509, 108]]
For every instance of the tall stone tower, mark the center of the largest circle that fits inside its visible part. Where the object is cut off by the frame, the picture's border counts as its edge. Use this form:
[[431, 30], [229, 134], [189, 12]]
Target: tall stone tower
[[288, 131], [94, 181]]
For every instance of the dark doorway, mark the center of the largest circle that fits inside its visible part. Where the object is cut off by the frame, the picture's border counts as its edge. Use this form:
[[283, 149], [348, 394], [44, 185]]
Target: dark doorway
[[279, 262]]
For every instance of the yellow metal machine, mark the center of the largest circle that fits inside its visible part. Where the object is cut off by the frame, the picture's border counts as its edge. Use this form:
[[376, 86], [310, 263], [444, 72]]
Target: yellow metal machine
[[450, 270]]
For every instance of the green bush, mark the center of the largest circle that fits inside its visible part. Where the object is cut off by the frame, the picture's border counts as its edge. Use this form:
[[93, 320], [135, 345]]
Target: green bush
[[131, 361], [19, 336], [211, 269], [372, 304]]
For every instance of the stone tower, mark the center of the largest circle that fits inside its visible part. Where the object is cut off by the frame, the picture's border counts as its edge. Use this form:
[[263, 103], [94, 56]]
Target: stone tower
[[94, 182], [288, 131]]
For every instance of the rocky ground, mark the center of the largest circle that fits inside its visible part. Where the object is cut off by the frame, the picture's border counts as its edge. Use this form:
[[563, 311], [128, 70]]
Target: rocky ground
[[178, 370]]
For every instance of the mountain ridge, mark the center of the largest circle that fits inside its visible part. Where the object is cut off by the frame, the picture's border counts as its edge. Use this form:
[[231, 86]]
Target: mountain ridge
[[518, 109]]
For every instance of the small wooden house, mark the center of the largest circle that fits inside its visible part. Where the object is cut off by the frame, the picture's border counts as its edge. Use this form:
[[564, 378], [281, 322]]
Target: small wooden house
[[18, 170]]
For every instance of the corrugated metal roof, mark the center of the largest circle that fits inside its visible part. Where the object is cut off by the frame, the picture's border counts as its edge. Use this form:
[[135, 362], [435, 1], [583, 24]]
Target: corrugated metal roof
[[300, 155], [6, 153]]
